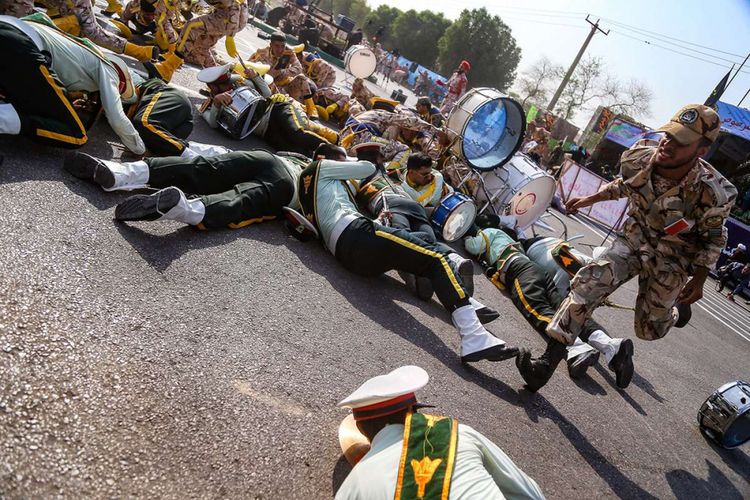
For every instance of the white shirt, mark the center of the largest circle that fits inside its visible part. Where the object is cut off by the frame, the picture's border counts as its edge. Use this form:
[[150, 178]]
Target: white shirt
[[79, 69], [482, 471]]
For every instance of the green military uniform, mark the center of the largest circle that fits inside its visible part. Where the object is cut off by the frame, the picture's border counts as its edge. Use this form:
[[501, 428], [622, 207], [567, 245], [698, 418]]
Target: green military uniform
[[671, 230], [163, 117]]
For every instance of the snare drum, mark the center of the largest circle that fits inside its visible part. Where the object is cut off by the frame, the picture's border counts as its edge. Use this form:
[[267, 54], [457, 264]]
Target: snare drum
[[236, 119], [491, 125], [518, 188], [454, 216], [360, 61], [725, 416]]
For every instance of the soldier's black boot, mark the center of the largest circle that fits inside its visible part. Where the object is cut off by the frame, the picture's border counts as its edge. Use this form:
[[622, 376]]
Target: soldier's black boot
[[537, 372]]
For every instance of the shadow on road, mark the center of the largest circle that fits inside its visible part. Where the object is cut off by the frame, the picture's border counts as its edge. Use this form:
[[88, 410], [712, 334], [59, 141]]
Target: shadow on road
[[687, 486], [383, 309], [618, 482]]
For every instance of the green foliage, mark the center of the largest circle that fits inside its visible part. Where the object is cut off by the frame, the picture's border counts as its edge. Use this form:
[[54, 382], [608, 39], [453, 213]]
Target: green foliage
[[416, 35], [487, 43], [382, 16]]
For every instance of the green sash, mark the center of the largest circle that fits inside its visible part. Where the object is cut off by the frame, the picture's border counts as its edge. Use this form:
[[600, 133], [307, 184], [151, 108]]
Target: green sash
[[427, 458], [566, 259]]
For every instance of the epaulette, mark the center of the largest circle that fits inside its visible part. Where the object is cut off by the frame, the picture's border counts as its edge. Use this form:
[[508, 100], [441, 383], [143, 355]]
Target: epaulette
[[719, 186]]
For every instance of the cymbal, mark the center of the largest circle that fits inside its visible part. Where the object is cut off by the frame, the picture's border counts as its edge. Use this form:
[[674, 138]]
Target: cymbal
[[354, 445]]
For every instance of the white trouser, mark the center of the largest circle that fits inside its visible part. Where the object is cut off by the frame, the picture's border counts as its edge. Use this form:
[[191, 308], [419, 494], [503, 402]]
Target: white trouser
[[186, 211], [200, 149], [604, 344], [474, 337], [128, 176]]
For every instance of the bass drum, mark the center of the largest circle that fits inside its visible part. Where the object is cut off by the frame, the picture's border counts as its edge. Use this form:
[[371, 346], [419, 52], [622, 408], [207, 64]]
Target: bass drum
[[360, 61], [518, 188], [491, 126], [725, 416], [236, 119]]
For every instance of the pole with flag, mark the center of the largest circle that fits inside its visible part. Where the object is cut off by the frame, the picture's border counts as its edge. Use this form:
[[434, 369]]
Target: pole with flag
[[719, 90]]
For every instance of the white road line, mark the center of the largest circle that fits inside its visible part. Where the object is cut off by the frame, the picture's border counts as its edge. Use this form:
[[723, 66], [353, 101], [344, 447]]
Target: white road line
[[718, 313], [722, 321]]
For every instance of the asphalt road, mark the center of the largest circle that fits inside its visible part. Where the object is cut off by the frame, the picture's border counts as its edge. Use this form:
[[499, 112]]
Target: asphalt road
[[154, 360]]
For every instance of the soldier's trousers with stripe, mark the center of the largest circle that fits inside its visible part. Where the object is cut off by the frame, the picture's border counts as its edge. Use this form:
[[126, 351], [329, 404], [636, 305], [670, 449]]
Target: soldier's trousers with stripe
[[289, 129], [535, 295], [28, 83], [163, 119], [237, 188], [370, 249], [660, 280]]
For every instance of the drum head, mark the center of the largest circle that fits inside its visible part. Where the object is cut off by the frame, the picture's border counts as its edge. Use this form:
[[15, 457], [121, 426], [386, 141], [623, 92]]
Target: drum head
[[493, 133], [532, 200], [360, 61], [459, 221]]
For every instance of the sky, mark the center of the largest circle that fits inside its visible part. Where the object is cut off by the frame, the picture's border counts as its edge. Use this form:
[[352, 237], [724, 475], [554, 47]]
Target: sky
[[557, 29]]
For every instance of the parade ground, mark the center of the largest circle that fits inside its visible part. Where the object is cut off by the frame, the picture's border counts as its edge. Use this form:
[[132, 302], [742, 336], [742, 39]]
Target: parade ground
[[153, 360]]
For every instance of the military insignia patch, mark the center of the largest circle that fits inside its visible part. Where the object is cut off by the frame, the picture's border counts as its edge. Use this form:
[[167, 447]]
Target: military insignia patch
[[689, 116], [715, 221]]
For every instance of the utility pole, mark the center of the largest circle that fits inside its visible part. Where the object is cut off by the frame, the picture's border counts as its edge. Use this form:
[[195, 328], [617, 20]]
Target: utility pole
[[743, 98], [738, 70], [566, 78]]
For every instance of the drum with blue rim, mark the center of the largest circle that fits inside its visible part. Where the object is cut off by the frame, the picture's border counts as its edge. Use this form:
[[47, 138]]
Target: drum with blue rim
[[454, 216], [725, 416]]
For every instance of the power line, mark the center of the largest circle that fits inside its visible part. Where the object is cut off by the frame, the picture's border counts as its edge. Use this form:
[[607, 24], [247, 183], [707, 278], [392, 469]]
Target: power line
[[654, 33], [513, 18], [647, 42]]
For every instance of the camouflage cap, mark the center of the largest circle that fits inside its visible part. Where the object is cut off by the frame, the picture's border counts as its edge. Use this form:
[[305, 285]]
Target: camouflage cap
[[693, 122]]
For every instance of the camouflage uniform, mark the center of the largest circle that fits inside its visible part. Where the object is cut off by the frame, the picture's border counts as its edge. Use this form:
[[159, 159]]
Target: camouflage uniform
[[361, 93], [90, 29], [331, 95], [379, 123], [317, 70], [16, 8], [647, 247], [291, 78], [199, 35], [164, 17]]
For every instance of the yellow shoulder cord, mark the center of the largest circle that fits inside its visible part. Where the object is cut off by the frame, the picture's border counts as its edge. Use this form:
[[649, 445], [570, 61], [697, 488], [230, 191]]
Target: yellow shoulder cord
[[188, 29]]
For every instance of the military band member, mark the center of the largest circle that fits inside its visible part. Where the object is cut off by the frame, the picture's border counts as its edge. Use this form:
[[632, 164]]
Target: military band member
[[370, 249], [235, 189], [331, 103], [199, 35], [429, 113], [287, 72], [156, 17], [40, 66], [456, 87], [316, 69], [535, 275], [362, 95], [423, 183], [77, 18], [163, 116], [672, 237], [394, 126], [277, 118], [415, 455]]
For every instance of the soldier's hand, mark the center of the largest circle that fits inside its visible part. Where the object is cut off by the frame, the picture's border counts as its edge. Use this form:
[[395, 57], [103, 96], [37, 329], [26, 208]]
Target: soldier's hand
[[574, 204], [691, 292], [276, 98], [250, 73], [223, 99]]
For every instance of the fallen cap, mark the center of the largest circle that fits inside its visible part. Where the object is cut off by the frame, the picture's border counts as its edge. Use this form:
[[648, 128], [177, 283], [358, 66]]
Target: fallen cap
[[693, 122], [386, 394], [126, 89], [215, 74], [299, 226]]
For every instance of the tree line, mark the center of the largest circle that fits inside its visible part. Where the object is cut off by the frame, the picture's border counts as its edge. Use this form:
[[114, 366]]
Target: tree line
[[436, 42]]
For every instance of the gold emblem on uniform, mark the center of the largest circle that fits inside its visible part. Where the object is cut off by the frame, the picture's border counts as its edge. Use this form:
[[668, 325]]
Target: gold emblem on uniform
[[423, 472], [307, 180]]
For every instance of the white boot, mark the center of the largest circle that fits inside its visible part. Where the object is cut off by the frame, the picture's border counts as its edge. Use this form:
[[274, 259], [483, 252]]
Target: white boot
[[187, 211], [10, 122], [604, 344], [128, 176], [578, 347], [474, 337], [200, 149]]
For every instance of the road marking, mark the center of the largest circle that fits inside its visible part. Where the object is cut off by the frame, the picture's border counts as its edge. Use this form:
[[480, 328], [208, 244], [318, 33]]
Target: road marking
[[722, 321]]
